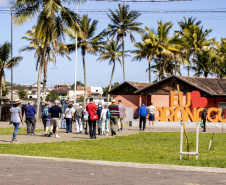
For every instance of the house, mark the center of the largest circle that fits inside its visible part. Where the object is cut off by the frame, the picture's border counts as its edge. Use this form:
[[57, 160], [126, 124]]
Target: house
[[97, 99], [32, 91], [62, 93], [63, 86], [213, 89]]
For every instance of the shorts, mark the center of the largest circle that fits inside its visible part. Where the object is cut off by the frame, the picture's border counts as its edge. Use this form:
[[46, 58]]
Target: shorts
[[46, 122], [55, 122], [151, 117]]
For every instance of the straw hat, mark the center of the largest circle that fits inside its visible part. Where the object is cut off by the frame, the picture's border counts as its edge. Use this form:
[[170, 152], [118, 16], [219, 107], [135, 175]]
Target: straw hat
[[113, 100], [17, 101]]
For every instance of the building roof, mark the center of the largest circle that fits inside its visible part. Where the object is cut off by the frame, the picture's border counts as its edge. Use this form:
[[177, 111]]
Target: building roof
[[211, 86], [60, 90], [134, 86]]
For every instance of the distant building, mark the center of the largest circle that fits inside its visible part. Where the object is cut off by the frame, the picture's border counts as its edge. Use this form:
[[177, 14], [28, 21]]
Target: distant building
[[97, 99]]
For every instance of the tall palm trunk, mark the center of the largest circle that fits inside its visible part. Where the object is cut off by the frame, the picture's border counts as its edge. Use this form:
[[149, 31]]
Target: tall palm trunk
[[84, 69], [149, 68], [39, 77], [123, 59], [1, 80], [112, 73], [44, 89]]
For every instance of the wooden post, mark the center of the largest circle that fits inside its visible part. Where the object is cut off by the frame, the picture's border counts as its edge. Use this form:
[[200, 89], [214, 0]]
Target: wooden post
[[182, 115]]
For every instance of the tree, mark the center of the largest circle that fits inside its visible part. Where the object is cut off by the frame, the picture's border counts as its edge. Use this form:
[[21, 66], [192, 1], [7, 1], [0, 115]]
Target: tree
[[38, 46], [53, 17], [6, 62], [105, 90], [52, 96], [80, 99], [87, 42], [78, 83], [123, 21], [111, 51], [221, 52], [22, 94]]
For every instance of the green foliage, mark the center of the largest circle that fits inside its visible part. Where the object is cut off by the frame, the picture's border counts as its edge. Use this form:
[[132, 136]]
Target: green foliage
[[80, 99], [105, 90], [150, 148], [52, 97], [22, 94], [78, 83], [4, 93]]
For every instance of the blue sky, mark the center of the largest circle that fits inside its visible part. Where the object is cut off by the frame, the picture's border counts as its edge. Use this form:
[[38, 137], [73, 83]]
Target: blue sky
[[211, 13]]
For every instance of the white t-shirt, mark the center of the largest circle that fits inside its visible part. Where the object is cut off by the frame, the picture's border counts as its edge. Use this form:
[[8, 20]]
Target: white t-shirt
[[69, 112], [15, 117], [103, 113], [151, 109]]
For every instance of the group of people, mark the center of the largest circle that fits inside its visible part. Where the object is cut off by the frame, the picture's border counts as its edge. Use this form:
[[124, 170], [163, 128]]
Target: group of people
[[143, 113], [57, 116]]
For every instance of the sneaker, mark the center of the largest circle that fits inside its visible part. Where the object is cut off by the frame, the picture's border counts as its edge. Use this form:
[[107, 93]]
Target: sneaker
[[76, 132], [46, 135], [80, 132], [106, 134], [50, 133], [33, 134], [94, 137], [102, 133], [119, 130], [57, 136], [15, 141], [28, 134]]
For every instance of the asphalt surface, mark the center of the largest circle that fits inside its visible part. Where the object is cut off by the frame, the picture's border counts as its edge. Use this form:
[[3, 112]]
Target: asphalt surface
[[29, 170], [26, 170]]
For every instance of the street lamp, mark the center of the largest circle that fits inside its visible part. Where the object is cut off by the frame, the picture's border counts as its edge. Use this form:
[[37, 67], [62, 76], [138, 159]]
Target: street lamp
[[11, 10], [76, 56]]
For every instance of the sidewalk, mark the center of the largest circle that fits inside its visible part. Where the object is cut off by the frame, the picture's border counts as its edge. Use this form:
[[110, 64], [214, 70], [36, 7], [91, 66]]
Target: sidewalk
[[127, 130]]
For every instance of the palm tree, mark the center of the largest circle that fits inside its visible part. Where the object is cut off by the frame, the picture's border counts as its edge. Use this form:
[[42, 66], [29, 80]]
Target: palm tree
[[38, 46], [87, 42], [111, 51], [221, 52], [6, 62], [123, 22], [53, 17], [207, 62]]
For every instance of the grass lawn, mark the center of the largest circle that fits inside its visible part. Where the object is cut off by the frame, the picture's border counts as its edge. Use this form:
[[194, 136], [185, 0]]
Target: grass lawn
[[150, 148], [9, 131]]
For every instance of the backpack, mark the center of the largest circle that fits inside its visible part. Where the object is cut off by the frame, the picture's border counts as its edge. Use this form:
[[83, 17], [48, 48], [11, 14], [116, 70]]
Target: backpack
[[79, 113], [45, 112], [108, 114], [93, 117], [99, 109]]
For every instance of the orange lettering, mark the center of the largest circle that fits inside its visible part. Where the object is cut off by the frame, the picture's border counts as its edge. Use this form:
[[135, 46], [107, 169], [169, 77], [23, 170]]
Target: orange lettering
[[171, 113], [209, 117]]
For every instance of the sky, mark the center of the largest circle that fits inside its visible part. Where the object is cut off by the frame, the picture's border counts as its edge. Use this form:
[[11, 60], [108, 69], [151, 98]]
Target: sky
[[211, 13]]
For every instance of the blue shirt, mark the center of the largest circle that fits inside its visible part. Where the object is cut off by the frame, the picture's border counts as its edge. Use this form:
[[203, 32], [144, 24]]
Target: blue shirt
[[30, 111], [143, 111], [55, 111]]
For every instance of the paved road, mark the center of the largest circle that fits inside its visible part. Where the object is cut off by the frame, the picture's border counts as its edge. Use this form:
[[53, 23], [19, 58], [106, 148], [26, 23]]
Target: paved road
[[30, 170]]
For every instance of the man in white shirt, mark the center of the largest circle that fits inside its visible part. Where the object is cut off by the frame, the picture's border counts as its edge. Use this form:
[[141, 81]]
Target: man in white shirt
[[151, 112]]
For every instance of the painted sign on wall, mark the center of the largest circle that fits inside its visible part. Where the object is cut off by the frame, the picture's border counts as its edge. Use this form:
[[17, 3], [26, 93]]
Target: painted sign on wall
[[191, 109]]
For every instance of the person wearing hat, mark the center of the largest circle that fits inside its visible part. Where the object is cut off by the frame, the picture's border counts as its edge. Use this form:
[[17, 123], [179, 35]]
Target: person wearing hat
[[69, 115], [45, 116], [30, 112], [78, 120], [16, 118], [114, 110], [55, 114]]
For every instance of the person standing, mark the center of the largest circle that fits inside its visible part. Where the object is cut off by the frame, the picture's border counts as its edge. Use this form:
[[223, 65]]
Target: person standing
[[78, 120], [204, 114], [104, 120], [99, 109], [91, 108], [46, 117], [151, 112], [122, 111], [85, 121], [30, 112], [55, 114], [143, 112], [64, 107], [16, 118], [114, 110], [69, 115]]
